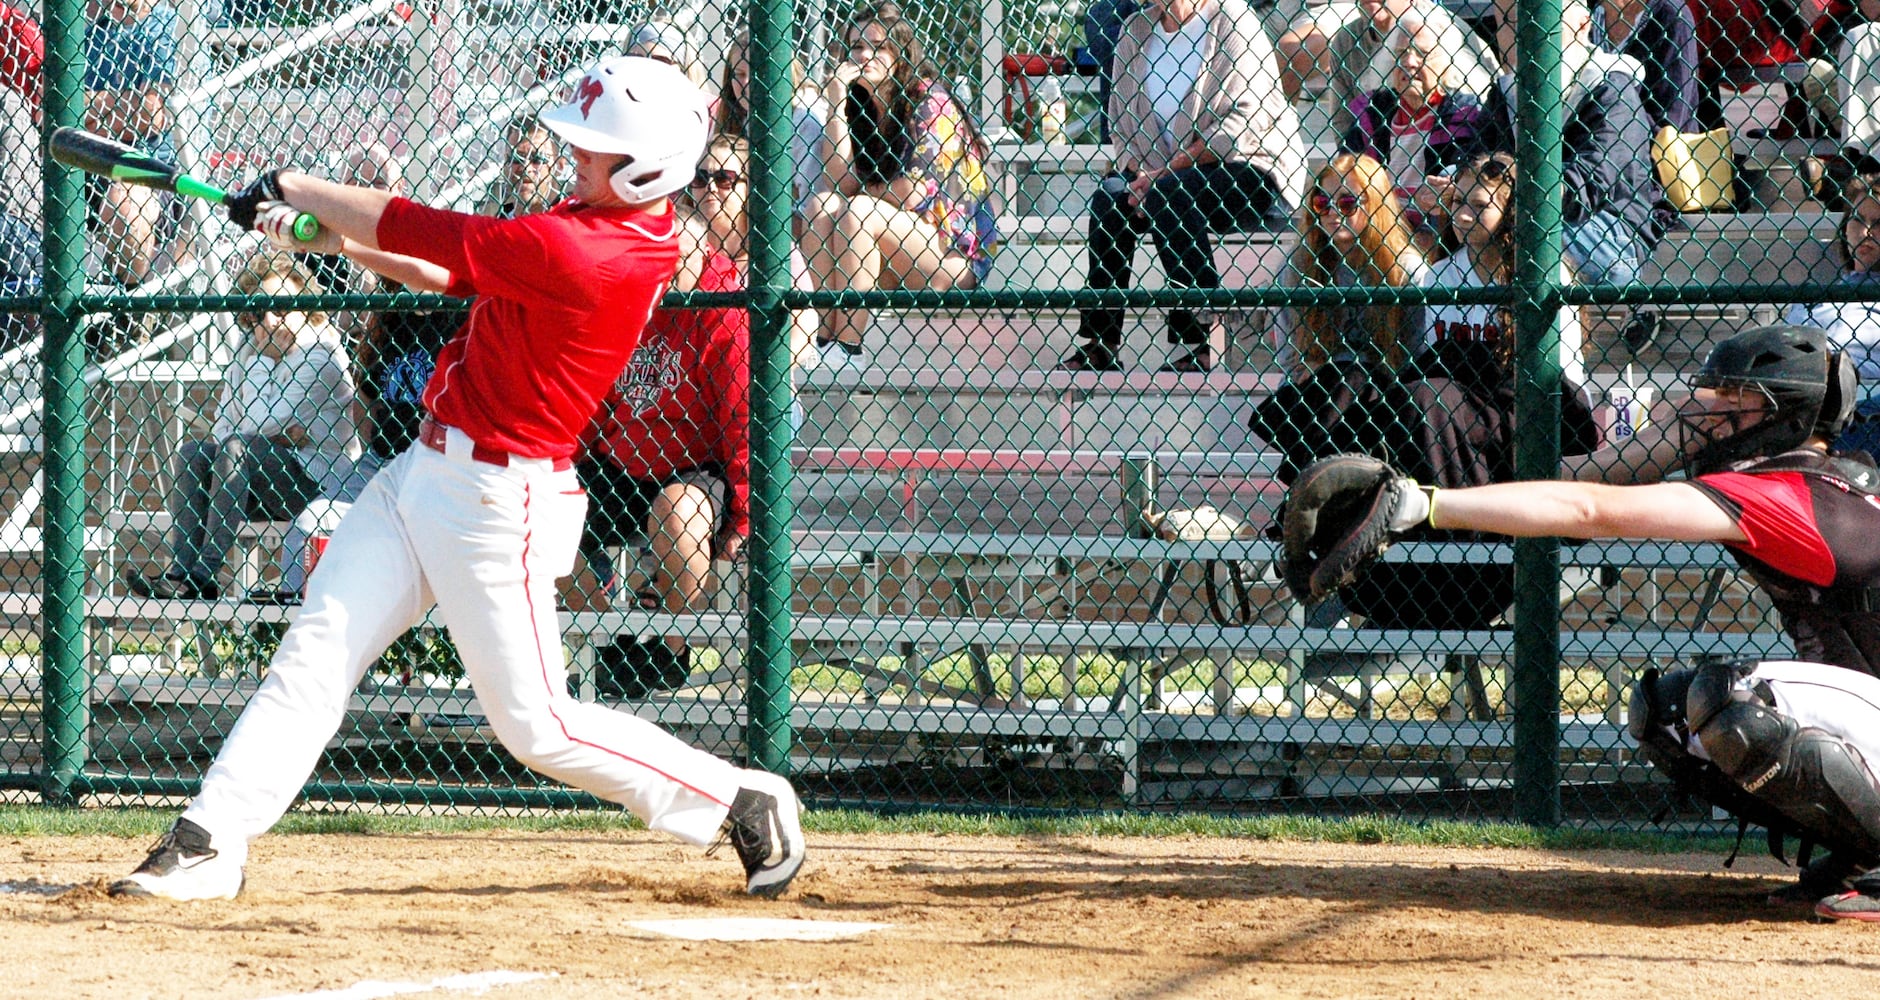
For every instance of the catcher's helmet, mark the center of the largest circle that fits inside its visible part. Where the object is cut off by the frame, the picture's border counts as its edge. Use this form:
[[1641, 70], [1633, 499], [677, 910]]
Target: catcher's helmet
[[1808, 390], [643, 109]]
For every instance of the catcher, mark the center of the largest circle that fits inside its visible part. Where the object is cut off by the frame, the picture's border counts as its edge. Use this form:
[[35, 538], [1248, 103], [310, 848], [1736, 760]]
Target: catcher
[[1783, 744]]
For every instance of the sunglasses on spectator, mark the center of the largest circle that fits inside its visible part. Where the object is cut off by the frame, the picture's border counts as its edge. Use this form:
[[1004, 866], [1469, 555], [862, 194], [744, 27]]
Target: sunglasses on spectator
[[531, 160], [724, 177], [1322, 203]]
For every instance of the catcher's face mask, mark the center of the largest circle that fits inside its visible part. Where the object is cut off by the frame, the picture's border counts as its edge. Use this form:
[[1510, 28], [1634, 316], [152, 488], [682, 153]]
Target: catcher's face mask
[[1720, 426]]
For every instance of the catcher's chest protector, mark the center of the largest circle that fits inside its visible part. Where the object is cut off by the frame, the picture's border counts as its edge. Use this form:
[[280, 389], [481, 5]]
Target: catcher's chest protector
[[1840, 624]]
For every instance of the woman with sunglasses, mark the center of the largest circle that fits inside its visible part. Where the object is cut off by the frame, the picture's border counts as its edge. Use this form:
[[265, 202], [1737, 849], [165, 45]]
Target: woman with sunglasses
[[1340, 357], [1480, 208], [283, 431], [667, 458], [1206, 142], [721, 191], [909, 202], [1449, 415]]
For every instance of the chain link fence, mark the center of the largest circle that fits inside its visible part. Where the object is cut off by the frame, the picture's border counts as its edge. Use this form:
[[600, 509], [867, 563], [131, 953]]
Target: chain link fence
[[1039, 308]]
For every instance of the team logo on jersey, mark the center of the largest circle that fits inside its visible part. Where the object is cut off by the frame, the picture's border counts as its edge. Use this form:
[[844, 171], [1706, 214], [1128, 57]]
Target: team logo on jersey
[[586, 93], [404, 379], [654, 371]]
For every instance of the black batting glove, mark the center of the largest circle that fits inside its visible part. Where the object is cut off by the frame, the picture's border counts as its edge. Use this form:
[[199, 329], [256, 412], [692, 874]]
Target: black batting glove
[[242, 204]]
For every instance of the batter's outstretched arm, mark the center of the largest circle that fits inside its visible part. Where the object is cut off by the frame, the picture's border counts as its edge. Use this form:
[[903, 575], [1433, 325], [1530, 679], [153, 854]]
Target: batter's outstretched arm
[[414, 273], [1673, 512]]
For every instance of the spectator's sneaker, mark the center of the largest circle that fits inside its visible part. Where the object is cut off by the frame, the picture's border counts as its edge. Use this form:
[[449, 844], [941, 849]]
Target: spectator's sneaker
[[840, 354], [269, 596], [172, 586], [1091, 356], [630, 668], [764, 825], [1859, 902], [1190, 359], [183, 867], [1827, 875]]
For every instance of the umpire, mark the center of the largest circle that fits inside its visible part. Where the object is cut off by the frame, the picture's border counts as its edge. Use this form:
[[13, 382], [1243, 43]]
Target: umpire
[[1784, 744]]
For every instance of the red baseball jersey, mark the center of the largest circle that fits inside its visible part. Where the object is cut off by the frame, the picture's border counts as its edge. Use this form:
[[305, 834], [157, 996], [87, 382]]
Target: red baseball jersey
[[684, 400], [1801, 525], [22, 53], [561, 299]]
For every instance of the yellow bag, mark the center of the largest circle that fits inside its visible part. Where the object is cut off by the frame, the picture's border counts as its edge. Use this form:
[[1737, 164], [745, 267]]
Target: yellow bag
[[1697, 169]]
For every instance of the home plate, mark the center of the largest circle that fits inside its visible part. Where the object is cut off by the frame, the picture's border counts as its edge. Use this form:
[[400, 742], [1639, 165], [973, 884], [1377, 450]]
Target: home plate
[[756, 929]]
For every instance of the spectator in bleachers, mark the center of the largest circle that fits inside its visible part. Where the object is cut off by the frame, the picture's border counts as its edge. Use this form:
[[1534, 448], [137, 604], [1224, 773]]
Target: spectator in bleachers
[[130, 67], [668, 461], [1453, 416], [21, 187], [1205, 143], [1611, 198], [531, 179], [1741, 42], [1421, 125], [1661, 36], [721, 190], [1857, 82], [283, 432], [1359, 59], [1481, 217], [395, 356], [661, 39], [809, 115], [22, 54], [1340, 359], [372, 165], [909, 204], [1854, 327]]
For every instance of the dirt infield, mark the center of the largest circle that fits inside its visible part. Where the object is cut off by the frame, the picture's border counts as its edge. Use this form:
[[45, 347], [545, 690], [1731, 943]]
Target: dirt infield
[[970, 916]]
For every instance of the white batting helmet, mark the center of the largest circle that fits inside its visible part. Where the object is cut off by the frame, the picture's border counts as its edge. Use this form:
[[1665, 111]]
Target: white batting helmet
[[643, 109]]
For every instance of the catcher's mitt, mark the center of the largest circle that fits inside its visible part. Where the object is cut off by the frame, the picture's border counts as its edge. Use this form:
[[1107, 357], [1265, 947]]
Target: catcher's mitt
[[1340, 515]]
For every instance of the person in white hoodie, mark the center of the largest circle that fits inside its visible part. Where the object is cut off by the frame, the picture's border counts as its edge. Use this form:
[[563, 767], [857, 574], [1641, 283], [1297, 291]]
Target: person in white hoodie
[[284, 430]]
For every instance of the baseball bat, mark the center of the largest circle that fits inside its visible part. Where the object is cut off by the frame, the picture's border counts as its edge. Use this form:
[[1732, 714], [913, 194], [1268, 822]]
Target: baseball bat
[[96, 154]]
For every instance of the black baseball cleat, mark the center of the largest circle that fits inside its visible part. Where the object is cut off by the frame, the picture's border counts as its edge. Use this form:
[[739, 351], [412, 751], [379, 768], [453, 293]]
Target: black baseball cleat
[[764, 824], [1827, 875], [183, 867]]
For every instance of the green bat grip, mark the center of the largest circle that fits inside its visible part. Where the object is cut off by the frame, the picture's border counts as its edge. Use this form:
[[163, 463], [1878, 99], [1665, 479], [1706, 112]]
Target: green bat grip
[[306, 227]]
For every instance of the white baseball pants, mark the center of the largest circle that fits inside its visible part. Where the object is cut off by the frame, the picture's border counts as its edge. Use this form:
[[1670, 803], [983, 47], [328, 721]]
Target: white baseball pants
[[485, 544]]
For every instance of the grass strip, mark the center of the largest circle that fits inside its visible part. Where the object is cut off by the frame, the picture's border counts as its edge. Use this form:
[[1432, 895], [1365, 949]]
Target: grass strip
[[42, 821]]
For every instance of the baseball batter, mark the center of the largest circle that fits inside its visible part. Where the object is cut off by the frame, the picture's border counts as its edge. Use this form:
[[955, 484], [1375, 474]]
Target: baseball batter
[[1790, 745], [483, 512]]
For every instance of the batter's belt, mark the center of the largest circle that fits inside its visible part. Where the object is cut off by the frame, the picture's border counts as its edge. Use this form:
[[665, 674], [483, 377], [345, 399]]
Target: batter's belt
[[433, 435]]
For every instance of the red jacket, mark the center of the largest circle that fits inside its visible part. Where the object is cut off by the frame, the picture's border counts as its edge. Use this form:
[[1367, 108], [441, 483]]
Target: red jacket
[[684, 400], [22, 53]]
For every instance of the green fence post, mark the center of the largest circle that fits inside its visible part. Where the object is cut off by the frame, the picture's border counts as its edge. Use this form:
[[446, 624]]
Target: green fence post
[[62, 424], [768, 694], [1536, 674]]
